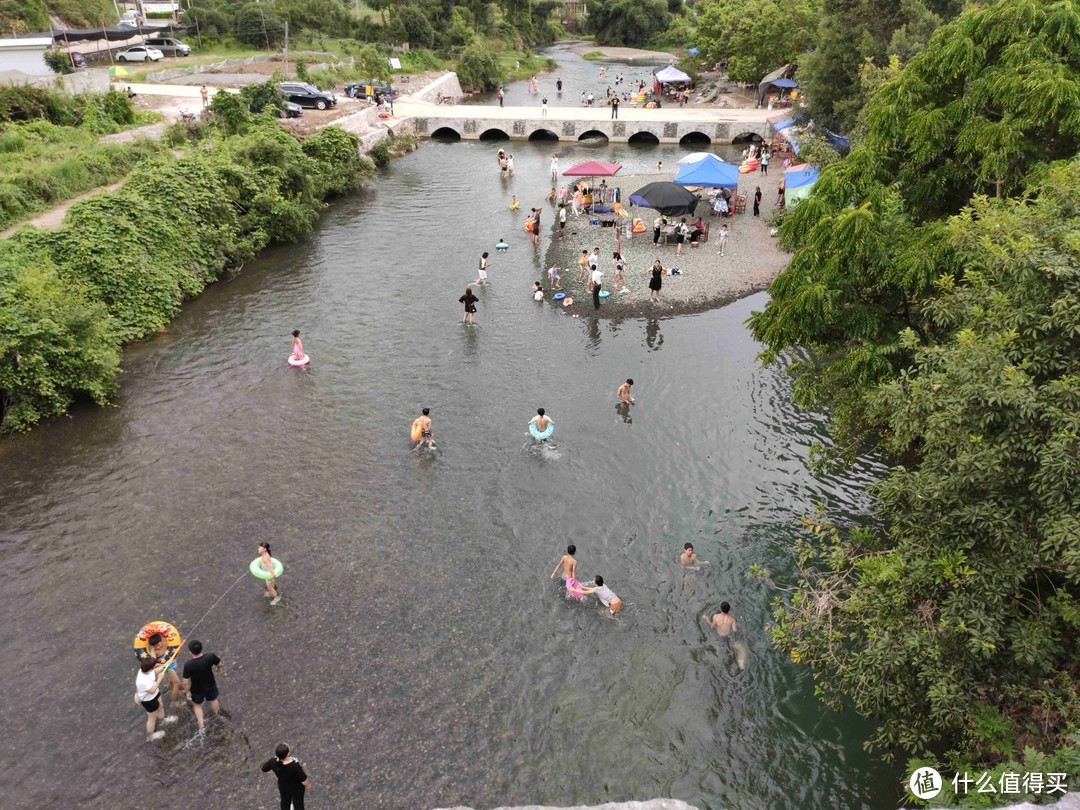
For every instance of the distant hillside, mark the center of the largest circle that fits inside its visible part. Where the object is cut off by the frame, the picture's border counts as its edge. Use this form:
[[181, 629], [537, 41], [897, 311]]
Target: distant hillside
[[34, 15]]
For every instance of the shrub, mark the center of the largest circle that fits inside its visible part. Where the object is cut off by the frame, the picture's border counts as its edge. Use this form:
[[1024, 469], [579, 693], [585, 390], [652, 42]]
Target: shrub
[[118, 107], [257, 26], [266, 95], [230, 110], [341, 169], [478, 70], [380, 153], [58, 62]]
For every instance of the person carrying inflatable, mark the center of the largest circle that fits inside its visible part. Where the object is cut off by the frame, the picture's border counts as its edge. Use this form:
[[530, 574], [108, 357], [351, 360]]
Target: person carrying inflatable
[[421, 430], [541, 427], [160, 640]]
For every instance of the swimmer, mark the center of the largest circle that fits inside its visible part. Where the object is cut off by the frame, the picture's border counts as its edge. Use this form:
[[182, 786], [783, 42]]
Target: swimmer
[[659, 165], [541, 421], [502, 246], [267, 565], [568, 564], [623, 394], [514, 203], [297, 346], [690, 559], [607, 596], [148, 693], [537, 292], [723, 621], [554, 277], [160, 650], [426, 436]]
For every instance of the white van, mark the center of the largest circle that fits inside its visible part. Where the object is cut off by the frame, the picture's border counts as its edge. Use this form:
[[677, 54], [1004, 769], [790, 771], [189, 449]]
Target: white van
[[129, 19]]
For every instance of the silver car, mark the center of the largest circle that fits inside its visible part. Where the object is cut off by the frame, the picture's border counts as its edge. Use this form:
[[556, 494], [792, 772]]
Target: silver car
[[140, 53]]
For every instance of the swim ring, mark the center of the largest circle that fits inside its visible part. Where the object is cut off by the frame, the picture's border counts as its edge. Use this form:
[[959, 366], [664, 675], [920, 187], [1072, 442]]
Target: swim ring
[[501, 246], [514, 206], [639, 226], [559, 296], [258, 571], [536, 434], [171, 635], [303, 361], [416, 432], [604, 293]]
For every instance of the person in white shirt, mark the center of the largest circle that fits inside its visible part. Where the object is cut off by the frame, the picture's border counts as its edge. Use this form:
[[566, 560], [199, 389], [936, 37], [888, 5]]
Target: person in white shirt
[[596, 278], [510, 165], [483, 270], [605, 595], [562, 220], [148, 694], [554, 167]]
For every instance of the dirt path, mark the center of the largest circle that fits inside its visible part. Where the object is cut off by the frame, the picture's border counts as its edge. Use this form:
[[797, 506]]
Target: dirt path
[[54, 217]]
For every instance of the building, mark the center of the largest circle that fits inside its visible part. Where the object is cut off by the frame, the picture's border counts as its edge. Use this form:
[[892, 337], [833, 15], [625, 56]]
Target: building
[[25, 55]]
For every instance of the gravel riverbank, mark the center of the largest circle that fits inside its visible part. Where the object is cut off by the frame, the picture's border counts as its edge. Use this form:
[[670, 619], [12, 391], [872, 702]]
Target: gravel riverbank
[[750, 262]]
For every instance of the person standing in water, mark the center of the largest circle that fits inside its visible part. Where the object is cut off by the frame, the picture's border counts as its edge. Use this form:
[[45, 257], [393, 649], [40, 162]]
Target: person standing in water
[[689, 558], [510, 165], [297, 346], [426, 437], [483, 279], [623, 394], [159, 649], [267, 564], [723, 621], [199, 682], [554, 167], [568, 564], [541, 420], [596, 279], [606, 596], [148, 693], [536, 226], [293, 782], [558, 85], [469, 300]]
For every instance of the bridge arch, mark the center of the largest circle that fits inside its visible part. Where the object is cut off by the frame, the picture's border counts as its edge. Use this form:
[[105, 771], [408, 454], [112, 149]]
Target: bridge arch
[[691, 138], [543, 135], [494, 134], [643, 138], [594, 134], [447, 134], [747, 137]]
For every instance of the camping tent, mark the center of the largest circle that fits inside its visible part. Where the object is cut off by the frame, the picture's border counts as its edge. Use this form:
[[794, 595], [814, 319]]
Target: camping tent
[[670, 75], [767, 82], [710, 172], [798, 180]]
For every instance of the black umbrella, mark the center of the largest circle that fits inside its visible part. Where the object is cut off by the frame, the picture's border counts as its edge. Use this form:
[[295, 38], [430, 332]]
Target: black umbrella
[[667, 198]]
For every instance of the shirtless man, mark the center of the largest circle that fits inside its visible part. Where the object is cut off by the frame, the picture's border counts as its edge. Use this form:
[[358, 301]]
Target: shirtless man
[[623, 394], [426, 437], [568, 564], [723, 621], [541, 421], [605, 595], [689, 559]]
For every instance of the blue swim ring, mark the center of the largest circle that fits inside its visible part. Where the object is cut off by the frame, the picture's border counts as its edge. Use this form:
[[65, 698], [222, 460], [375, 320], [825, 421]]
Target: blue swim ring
[[536, 434], [604, 293], [559, 296]]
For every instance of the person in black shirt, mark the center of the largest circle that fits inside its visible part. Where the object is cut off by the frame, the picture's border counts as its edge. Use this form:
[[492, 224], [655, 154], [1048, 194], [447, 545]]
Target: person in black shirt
[[199, 681], [469, 300], [292, 782]]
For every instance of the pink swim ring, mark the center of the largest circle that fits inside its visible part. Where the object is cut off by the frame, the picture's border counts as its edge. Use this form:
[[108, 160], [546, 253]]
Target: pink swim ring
[[296, 362]]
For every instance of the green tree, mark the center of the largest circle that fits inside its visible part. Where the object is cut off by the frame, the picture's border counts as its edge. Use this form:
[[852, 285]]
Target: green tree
[[460, 34], [231, 111], [371, 63], [417, 26], [631, 23], [257, 25], [962, 118], [757, 36], [479, 70], [958, 624]]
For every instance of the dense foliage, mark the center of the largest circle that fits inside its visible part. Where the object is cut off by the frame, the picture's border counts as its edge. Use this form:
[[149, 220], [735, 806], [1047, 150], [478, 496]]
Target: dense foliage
[[33, 16], [122, 264], [933, 301], [478, 70], [633, 23], [756, 37]]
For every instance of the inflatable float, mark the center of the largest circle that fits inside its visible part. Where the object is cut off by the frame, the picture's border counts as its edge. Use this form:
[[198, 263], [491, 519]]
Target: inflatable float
[[538, 435], [417, 429], [501, 246], [171, 635], [638, 226], [559, 296], [259, 572], [297, 363], [604, 293], [514, 205]]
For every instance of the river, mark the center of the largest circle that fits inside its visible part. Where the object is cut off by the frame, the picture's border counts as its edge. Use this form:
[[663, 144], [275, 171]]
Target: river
[[421, 656]]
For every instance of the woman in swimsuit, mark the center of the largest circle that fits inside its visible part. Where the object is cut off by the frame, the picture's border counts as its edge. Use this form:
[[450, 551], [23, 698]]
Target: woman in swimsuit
[[656, 280], [469, 300], [267, 564], [297, 346], [620, 268]]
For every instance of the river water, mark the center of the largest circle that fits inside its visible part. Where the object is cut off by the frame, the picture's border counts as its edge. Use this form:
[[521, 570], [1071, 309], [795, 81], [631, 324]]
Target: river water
[[421, 656]]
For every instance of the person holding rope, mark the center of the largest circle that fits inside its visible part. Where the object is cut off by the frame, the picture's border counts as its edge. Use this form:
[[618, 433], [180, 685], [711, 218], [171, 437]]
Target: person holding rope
[[159, 651], [199, 682], [293, 782], [148, 695]]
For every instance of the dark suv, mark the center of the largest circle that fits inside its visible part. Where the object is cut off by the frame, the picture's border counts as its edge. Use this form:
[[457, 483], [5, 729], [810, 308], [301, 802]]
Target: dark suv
[[370, 90], [307, 95]]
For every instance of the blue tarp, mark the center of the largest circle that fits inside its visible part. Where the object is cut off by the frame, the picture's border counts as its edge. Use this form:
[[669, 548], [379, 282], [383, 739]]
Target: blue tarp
[[710, 172], [783, 124], [840, 142], [801, 175]]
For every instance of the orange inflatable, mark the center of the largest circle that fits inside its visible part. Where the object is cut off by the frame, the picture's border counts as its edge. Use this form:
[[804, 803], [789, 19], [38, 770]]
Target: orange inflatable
[[639, 226], [417, 429], [171, 635]]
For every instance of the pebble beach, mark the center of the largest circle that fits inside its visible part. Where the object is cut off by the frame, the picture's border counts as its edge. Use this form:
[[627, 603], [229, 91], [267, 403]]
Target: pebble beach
[[751, 260]]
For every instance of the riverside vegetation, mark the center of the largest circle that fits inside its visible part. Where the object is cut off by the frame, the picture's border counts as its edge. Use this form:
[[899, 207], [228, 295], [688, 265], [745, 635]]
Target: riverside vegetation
[[122, 263], [933, 305]]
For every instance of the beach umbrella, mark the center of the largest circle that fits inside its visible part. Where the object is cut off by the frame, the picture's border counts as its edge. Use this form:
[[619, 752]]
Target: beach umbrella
[[117, 70], [711, 172], [787, 84], [667, 198], [693, 157], [593, 168]]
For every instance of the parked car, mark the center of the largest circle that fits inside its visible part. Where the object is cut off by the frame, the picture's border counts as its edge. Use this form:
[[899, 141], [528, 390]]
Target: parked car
[[169, 46], [140, 53], [370, 90], [78, 61], [291, 110], [307, 95]]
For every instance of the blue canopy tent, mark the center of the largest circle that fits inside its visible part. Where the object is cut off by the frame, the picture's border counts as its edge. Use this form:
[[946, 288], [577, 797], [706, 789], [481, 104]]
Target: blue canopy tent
[[798, 180], [709, 172]]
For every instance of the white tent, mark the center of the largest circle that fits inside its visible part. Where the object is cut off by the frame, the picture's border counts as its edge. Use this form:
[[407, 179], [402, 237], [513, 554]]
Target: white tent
[[671, 75]]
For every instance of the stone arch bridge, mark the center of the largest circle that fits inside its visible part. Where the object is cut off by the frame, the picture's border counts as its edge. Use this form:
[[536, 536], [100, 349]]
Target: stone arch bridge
[[686, 125]]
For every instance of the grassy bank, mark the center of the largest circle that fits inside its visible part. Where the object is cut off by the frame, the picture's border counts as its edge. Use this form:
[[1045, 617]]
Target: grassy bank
[[122, 263]]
